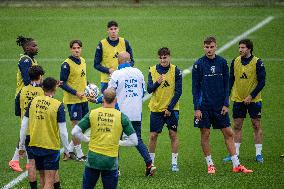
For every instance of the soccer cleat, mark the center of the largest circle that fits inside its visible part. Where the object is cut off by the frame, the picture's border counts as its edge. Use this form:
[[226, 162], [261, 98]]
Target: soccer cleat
[[83, 158], [211, 169], [72, 156], [227, 159], [282, 155], [241, 169], [15, 165], [175, 168], [151, 170], [259, 158]]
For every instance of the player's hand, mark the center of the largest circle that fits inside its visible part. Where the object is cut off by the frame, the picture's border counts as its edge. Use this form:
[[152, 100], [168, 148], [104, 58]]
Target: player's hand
[[92, 99], [198, 114], [22, 153], [59, 83], [247, 100], [80, 95], [111, 70], [161, 78], [167, 113], [224, 110]]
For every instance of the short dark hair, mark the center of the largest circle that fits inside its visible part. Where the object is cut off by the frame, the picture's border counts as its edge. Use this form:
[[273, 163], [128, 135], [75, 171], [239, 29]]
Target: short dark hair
[[164, 51], [23, 41], [79, 42], [209, 40], [35, 72], [248, 44], [49, 84], [109, 95], [112, 23]]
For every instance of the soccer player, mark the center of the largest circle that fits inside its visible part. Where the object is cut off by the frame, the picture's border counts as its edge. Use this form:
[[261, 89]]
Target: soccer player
[[45, 119], [129, 84], [247, 79], [106, 124], [73, 75], [23, 99], [106, 53], [165, 84], [26, 60], [210, 90]]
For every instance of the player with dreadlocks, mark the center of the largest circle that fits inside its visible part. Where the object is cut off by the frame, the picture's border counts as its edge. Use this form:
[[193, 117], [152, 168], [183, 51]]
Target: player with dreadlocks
[[26, 60]]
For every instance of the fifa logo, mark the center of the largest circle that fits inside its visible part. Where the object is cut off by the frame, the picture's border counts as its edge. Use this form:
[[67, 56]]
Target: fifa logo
[[212, 69]]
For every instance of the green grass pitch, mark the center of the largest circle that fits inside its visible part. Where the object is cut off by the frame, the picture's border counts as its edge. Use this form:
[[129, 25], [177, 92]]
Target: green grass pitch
[[147, 29]]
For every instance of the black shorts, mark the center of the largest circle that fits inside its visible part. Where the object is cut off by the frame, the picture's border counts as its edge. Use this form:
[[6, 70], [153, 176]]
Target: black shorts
[[46, 159], [212, 118], [157, 121], [77, 111], [240, 110]]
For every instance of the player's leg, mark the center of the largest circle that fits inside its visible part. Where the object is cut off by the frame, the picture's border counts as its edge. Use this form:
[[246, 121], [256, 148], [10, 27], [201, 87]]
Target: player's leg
[[254, 110], [31, 167], [76, 112], [110, 179], [49, 179], [56, 184], [90, 178], [172, 124], [14, 163], [41, 178], [239, 113], [142, 149], [156, 126]]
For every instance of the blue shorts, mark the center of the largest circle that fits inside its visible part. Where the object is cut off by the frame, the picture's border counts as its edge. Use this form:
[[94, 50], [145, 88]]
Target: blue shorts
[[91, 176], [45, 159], [157, 121], [103, 86], [240, 110], [77, 111], [212, 118], [28, 149]]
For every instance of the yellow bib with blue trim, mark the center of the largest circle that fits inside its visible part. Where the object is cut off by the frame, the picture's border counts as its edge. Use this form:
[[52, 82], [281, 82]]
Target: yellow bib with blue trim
[[163, 95], [109, 57], [20, 83], [28, 93], [245, 80], [77, 80], [106, 130], [43, 126]]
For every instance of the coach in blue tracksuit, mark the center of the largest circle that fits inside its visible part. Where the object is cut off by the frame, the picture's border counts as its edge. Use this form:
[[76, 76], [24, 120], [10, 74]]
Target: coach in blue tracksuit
[[210, 90]]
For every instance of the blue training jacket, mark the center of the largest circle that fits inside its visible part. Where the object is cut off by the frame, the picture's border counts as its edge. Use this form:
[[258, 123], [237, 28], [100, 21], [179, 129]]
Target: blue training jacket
[[210, 83]]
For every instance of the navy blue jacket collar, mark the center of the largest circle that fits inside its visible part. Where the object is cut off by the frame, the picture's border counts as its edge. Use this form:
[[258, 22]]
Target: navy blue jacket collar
[[124, 65], [74, 59]]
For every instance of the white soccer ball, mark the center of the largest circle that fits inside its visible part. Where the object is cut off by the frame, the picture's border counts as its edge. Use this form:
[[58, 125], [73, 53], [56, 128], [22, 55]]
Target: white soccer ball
[[92, 91]]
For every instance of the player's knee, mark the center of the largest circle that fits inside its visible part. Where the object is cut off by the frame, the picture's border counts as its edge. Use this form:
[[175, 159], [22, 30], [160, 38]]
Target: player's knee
[[153, 136]]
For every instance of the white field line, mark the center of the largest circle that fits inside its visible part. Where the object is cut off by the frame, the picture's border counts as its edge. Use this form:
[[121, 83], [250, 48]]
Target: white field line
[[185, 72]]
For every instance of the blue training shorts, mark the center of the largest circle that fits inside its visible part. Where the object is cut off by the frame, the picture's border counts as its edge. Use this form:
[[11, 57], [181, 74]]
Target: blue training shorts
[[157, 121], [46, 159], [240, 110], [212, 118], [77, 111]]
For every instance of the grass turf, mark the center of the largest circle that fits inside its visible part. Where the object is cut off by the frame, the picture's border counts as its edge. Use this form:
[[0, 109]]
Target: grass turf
[[147, 29]]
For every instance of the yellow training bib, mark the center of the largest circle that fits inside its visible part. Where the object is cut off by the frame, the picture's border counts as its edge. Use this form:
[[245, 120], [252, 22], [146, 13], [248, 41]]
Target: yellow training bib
[[109, 57], [106, 130], [43, 126], [77, 80], [245, 80], [163, 95], [20, 83]]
